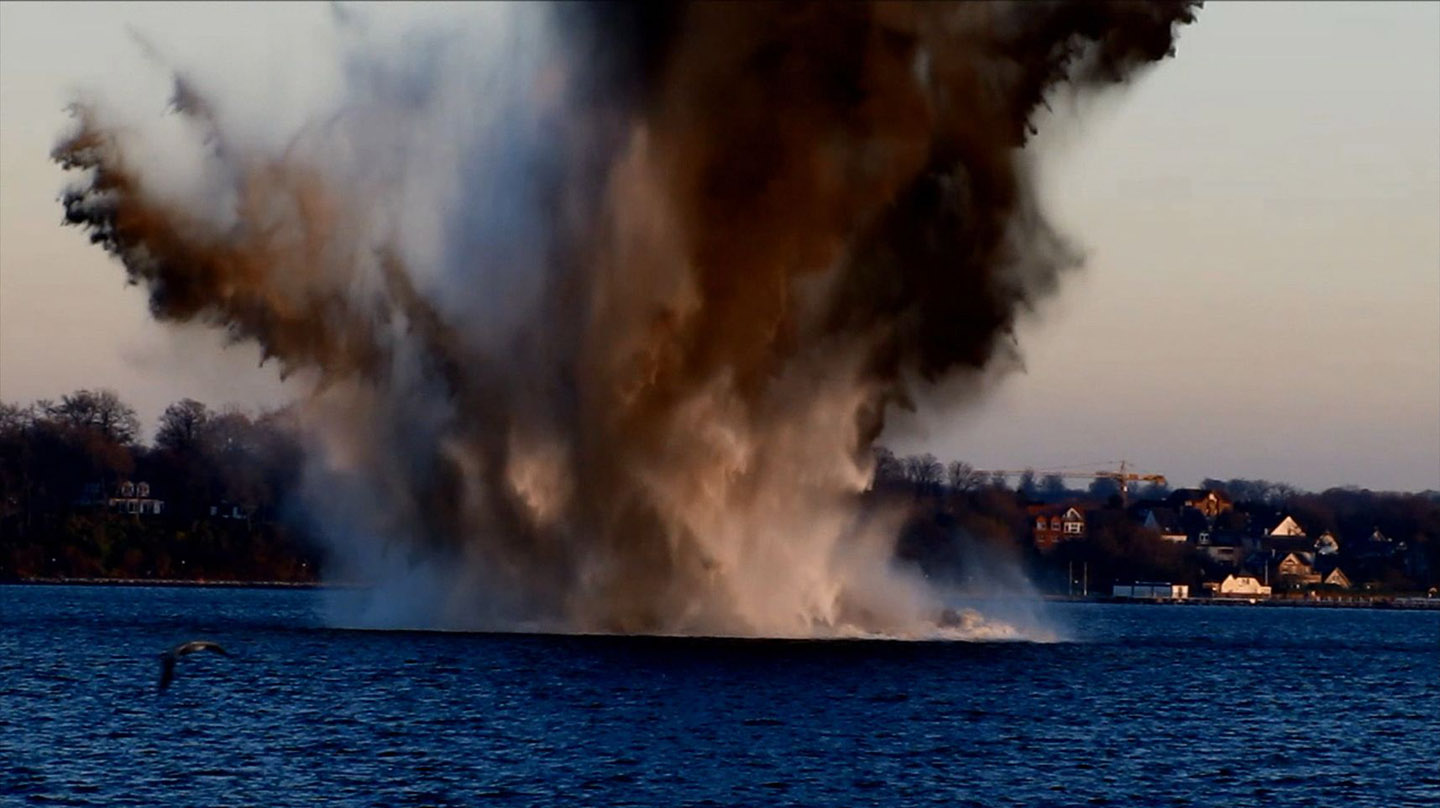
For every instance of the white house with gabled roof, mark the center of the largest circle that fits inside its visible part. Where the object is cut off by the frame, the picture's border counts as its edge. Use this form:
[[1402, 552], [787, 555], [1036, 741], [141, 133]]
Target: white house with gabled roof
[[1240, 586], [1287, 527]]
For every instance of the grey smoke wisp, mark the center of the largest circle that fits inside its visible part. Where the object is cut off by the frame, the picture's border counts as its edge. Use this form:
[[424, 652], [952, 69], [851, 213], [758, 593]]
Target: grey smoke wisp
[[603, 305]]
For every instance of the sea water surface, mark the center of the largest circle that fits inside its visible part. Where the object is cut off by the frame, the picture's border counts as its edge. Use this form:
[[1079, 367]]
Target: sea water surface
[[1142, 705]]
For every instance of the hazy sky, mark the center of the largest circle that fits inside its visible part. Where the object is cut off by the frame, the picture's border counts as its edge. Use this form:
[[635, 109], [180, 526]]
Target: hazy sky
[[1261, 217]]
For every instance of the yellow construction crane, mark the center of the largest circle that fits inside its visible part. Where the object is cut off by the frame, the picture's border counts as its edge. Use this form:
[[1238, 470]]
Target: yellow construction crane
[[1123, 477]]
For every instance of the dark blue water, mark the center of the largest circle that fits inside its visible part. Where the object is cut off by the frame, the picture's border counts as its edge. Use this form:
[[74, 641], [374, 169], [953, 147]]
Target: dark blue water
[[1146, 705]]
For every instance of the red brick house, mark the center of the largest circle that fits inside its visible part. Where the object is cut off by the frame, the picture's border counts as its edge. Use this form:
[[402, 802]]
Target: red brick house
[[1053, 524]]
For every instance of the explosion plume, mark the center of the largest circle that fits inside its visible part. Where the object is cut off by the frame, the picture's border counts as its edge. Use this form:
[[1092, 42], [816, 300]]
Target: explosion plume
[[605, 315]]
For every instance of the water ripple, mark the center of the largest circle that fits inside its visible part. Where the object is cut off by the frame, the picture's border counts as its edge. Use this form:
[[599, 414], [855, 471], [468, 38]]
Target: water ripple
[[1178, 707]]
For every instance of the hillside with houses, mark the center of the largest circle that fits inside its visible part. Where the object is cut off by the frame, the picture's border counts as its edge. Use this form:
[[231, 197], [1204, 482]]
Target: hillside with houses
[[1236, 538], [213, 496]]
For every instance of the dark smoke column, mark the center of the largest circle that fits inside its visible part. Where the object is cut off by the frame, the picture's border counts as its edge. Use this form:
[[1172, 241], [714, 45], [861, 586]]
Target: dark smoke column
[[742, 232]]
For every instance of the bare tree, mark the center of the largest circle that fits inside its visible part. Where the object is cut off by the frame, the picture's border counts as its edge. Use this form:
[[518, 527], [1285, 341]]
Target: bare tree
[[1027, 486], [14, 419], [924, 472], [1103, 488], [1052, 487], [962, 476], [101, 411], [228, 434], [934, 472], [888, 468], [182, 425]]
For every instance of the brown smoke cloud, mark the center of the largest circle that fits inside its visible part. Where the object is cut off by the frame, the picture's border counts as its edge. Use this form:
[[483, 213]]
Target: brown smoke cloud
[[680, 277]]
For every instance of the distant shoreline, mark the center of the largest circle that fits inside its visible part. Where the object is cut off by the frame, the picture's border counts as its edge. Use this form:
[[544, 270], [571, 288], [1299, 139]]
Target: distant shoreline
[[177, 583], [1411, 602]]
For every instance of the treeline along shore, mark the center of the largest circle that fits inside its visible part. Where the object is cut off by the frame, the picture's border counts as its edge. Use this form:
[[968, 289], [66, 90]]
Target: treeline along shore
[[212, 498], [208, 499]]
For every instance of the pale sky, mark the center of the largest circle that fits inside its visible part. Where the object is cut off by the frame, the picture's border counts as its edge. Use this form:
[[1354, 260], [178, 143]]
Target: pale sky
[[1261, 216]]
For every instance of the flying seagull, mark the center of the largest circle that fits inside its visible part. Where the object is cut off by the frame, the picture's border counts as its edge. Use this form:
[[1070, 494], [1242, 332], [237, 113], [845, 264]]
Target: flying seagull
[[169, 658]]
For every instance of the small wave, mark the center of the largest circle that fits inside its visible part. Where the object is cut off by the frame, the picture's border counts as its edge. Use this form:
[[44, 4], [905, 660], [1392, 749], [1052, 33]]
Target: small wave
[[959, 625], [969, 625], [953, 625]]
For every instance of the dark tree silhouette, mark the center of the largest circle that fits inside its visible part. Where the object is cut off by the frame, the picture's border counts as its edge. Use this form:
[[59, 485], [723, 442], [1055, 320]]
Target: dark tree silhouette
[[1027, 487], [181, 426], [1052, 487], [65, 510], [101, 411], [961, 476]]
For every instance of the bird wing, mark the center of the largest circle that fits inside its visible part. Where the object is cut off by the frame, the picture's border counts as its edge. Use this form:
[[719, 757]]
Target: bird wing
[[167, 670], [199, 645]]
